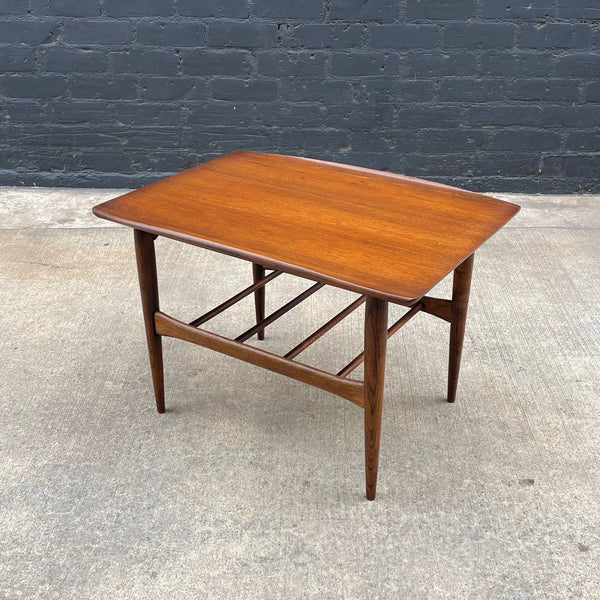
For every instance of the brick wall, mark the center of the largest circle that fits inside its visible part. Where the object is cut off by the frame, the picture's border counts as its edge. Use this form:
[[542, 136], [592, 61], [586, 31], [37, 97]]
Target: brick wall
[[486, 94]]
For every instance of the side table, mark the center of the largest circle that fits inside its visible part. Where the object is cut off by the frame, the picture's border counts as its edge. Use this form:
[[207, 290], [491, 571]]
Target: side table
[[388, 237]]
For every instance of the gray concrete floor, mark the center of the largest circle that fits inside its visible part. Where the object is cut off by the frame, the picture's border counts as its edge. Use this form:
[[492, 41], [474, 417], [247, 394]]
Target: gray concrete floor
[[251, 485]]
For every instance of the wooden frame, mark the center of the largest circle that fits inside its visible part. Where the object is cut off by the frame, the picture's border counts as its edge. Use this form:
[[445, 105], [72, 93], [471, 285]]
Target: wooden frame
[[367, 394]]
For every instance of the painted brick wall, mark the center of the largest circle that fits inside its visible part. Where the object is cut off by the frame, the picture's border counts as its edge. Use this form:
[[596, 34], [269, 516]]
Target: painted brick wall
[[487, 94]]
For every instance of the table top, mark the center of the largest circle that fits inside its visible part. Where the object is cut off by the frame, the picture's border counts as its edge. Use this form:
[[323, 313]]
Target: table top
[[377, 233]]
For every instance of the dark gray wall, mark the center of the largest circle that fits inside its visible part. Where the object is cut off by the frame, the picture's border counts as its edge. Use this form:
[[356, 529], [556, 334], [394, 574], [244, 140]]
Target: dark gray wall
[[486, 94]]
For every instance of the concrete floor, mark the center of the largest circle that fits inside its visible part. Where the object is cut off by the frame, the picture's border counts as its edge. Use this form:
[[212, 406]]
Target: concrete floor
[[251, 485]]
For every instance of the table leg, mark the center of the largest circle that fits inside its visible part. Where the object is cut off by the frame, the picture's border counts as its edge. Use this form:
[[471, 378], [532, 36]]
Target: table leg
[[376, 320], [461, 286], [146, 264], [258, 272]]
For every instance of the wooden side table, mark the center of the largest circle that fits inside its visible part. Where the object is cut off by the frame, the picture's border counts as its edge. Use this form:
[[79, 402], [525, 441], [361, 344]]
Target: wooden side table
[[388, 237]]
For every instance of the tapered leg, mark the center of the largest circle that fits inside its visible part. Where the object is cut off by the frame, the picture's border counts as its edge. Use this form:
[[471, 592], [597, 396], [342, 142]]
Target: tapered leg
[[460, 302], [258, 272], [146, 264], [376, 318]]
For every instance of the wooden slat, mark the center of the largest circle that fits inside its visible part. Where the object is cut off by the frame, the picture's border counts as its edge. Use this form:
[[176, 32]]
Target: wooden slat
[[279, 312], [350, 389], [311, 339], [234, 299], [390, 332]]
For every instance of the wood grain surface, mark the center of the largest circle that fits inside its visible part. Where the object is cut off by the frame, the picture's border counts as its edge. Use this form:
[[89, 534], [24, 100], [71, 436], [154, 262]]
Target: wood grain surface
[[384, 235]]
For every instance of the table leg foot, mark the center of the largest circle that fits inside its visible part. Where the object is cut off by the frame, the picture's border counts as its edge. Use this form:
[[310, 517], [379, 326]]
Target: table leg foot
[[258, 272], [376, 318], [460, 302], [146, 264]]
